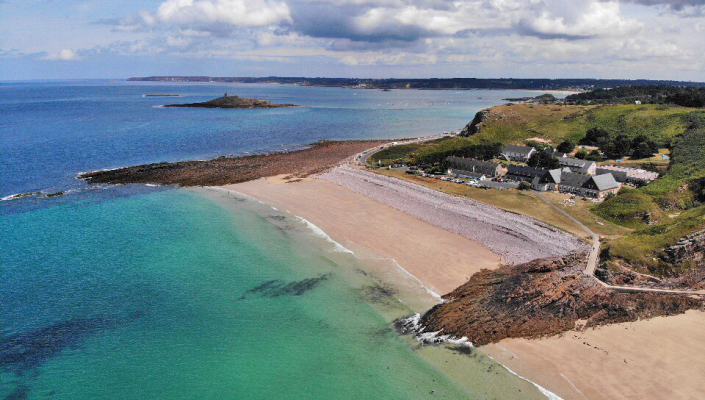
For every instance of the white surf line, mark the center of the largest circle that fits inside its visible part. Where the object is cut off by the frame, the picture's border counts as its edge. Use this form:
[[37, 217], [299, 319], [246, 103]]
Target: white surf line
[[508, 351], [426, 288], [320, 233], [571, 384], [549, 394]]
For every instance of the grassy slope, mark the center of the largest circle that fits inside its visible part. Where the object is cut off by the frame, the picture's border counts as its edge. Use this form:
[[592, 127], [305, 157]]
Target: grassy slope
[[660, 213]]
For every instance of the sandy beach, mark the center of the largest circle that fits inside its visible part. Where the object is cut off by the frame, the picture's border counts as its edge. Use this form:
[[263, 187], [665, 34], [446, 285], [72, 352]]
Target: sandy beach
[[660, 358], [440, 259], [639, 360]]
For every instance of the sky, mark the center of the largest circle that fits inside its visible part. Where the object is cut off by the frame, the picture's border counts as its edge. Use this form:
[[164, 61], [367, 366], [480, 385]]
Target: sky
[[86, 39]]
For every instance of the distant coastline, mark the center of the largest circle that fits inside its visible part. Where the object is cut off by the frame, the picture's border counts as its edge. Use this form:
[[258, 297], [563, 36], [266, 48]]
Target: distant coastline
[[571, 85]]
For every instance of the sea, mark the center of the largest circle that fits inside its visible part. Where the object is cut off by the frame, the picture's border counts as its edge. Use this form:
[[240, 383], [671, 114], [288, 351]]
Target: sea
[[150, 292]]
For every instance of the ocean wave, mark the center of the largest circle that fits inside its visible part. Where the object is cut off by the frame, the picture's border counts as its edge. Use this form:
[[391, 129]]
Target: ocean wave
[[320, 233], [426, 288], [412, 325], [549, 394]]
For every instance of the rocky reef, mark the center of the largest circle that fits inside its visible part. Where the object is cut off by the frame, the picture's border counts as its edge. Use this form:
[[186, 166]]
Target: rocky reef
[[541, 298], [226, 170], [233, 102]]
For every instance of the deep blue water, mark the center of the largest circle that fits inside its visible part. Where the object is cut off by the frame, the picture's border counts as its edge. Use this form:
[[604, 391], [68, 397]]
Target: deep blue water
[[51, 131]]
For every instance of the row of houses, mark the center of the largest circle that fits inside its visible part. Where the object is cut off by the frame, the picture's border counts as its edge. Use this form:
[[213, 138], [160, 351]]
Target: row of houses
[[563, 180], [522, 154]]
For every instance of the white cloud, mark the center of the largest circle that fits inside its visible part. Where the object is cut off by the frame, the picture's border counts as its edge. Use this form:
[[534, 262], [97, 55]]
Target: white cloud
[[591, 18], [62, 55], [200, 13]]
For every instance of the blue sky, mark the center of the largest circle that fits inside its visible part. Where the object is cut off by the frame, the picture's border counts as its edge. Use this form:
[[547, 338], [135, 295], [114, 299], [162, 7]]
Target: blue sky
[[73, 39]]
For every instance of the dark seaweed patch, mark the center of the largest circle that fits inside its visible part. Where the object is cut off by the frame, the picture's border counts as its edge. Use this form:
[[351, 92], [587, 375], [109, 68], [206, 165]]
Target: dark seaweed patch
[[277, 217], [378, 294], [23, 352], [21, 392], [276, 287]]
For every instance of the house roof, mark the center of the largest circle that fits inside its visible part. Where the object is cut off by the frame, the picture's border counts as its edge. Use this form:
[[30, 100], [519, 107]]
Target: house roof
[[575, 162], [574, 180], [523, 150], [632, 172], [473, 165], [605, 182], [525, 171]]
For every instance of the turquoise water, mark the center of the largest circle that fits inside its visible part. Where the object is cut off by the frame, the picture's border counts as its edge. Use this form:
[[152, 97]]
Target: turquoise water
[[168, 271], [135, 292]]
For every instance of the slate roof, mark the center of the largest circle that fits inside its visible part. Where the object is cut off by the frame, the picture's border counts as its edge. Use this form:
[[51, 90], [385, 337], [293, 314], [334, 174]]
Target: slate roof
[[605, 182], [525, 171], [573, 179], [575, 162], [473, 165]]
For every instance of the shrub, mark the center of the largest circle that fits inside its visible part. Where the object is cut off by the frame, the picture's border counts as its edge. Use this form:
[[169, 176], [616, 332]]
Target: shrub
[[524, 186], [566, 147]]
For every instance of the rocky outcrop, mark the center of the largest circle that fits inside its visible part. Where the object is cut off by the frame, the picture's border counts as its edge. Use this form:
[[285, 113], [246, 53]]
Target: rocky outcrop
[[541, 298], [688, 248], [233, 102], [476, 124]]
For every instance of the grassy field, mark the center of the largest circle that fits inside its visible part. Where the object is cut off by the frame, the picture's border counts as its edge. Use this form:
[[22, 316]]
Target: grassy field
[[517, 123], [520, 202]]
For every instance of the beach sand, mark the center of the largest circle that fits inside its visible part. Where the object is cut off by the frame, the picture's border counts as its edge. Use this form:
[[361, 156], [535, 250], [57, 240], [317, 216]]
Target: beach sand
[[440, 259], [660, 358]]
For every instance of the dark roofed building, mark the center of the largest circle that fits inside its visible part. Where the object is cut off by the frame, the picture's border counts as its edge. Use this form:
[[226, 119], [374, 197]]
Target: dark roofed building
[[524, 174], [475, 167]]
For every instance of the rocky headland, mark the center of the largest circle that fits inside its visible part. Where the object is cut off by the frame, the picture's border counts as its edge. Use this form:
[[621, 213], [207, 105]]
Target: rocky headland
[[541, 298], [233, 102]]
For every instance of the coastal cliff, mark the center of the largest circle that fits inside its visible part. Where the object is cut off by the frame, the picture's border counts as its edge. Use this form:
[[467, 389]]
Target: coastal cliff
[[474, 126], [541, 298], [233, 102]]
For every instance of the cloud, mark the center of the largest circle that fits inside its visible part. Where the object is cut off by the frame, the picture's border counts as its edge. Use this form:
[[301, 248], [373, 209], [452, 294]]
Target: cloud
[[588, 20], [62, 55], [201, 14], [673, 4]]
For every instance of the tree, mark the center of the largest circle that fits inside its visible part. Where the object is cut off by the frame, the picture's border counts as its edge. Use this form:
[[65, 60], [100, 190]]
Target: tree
[[566, 147], [594, 156], [621, 146], [593, 136], [642, 150], [543, 160], [581, 154], [524, 186], [697, 186]]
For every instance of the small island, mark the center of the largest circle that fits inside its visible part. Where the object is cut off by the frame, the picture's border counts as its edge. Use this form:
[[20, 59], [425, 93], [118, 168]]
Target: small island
[[233, 102]]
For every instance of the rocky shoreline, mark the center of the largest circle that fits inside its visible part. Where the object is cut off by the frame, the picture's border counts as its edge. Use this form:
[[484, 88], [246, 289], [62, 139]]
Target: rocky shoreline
[[544, 297], [228, 170]]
